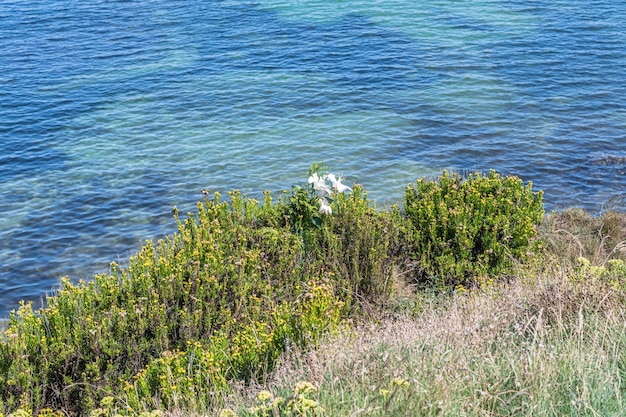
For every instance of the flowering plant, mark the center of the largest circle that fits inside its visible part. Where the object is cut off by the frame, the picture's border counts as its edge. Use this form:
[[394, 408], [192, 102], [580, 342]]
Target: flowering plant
[[322, 190], [307, 206]]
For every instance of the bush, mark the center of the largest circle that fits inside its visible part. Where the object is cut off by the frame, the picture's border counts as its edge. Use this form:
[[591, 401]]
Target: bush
[[466, 230], [240, 281], [222, 280], [356, 245], [219, 300], [342, 231]]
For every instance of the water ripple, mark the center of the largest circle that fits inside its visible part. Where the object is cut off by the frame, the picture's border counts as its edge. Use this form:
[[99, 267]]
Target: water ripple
[[113, 112]]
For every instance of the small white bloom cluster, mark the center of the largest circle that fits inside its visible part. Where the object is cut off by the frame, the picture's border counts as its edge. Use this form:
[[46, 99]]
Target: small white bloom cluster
[[323, 191]]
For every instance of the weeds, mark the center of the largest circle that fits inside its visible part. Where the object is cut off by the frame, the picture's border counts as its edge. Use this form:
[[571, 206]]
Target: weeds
[[574, 233]]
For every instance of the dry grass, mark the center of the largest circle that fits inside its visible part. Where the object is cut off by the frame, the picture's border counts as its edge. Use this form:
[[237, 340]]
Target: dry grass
[[550, 347], [576, 233]]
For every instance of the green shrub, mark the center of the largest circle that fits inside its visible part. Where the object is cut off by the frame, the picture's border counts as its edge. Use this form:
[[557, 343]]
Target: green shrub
[[356, 245], [219, 278], [466, 230], [218, 300], [178, 378]]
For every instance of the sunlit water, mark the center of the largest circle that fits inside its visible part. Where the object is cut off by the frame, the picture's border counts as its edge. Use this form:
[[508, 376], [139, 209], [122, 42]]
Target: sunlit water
[[113, 112]]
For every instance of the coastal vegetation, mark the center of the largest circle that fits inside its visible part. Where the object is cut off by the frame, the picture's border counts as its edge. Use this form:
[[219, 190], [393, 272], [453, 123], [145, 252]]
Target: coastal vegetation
[[466, 300]]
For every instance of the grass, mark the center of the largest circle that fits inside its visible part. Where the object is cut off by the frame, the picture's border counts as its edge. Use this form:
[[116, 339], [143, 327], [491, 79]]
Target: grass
[[478, 355], [575, 233], [548, 347]]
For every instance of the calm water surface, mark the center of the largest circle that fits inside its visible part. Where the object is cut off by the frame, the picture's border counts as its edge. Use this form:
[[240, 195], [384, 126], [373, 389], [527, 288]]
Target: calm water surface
[[113, 112]]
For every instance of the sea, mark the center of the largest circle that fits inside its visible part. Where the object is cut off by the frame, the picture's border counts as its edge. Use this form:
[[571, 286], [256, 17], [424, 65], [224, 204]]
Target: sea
[[113, 112]]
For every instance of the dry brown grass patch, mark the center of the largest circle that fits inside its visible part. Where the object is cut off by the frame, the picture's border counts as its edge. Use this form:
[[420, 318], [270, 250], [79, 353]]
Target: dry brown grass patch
[[576, 233]]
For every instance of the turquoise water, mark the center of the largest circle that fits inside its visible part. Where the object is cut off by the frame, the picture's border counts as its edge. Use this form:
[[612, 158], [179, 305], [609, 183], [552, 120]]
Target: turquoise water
[[112, 112]]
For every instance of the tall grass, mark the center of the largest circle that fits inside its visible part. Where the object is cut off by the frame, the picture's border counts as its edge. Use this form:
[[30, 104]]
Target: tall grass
[[552, 347], [575, 233]]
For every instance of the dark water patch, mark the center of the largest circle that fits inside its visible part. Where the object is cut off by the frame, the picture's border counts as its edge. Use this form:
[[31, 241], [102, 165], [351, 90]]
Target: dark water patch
[[24, 160], [80, 232], [609, 160]]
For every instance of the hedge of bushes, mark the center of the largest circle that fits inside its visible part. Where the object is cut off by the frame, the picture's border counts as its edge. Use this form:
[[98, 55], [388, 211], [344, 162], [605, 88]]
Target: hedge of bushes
[[242, 280]]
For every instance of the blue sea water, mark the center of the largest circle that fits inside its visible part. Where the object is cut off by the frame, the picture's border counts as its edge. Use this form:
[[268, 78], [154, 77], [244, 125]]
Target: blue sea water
[[113, 112]]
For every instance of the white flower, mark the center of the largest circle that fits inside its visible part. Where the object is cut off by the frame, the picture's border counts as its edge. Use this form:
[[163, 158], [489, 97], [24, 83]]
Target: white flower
[[324, 207], [316, 180], [319, 184], [337, 183]]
